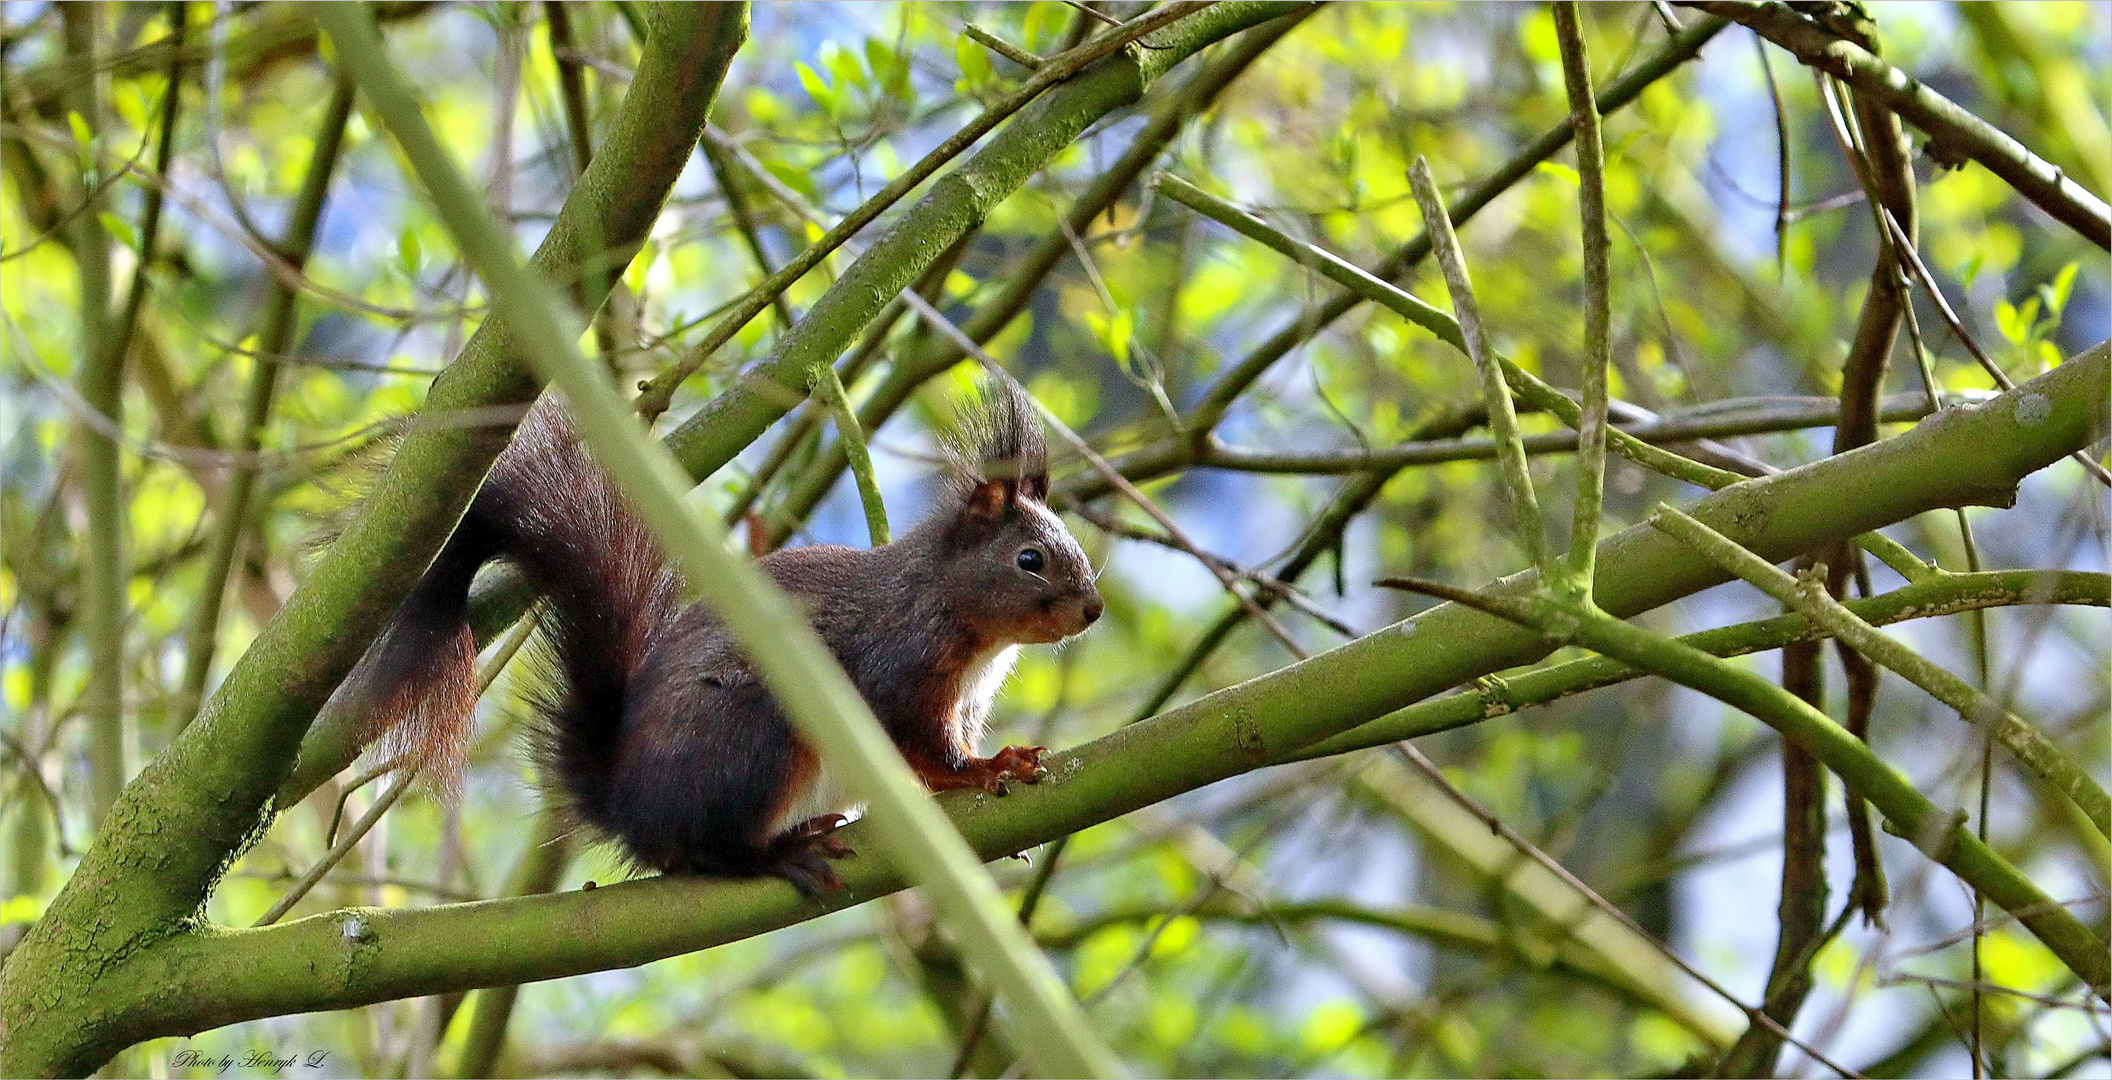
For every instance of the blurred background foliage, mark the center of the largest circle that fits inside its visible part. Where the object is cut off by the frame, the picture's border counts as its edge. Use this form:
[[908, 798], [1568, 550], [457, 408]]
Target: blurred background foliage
[[1665, 802]]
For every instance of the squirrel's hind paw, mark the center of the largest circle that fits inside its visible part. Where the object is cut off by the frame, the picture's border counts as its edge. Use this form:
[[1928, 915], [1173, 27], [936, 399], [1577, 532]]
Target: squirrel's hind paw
[[801, 856]]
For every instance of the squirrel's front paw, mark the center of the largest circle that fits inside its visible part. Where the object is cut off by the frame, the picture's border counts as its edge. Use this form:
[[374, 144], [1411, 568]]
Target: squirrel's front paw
[[993, 774], [1021, 763]]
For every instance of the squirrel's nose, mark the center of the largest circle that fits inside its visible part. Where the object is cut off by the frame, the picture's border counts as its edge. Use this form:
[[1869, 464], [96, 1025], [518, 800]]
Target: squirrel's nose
[[1092, 608]]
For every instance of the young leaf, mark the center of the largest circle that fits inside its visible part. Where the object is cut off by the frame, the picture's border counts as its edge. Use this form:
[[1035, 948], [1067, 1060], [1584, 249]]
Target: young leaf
[[845, 66], [975, 66], [888, 68], [408, 255], [2055, 293], [119, 229], [816, 88]]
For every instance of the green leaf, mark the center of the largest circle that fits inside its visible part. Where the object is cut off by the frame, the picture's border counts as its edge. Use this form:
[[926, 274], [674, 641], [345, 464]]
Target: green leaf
[[2055, 293], [119, 229], [1560, 172], [887, 68], [975, 65], [408, 255], [796, 179], [1330, 1026], [2007, 323], [1115, 332], [1969, 271], [844, 65], [816, 88], [1032, 27], [21, 909], [2027, 318], [635, 274]]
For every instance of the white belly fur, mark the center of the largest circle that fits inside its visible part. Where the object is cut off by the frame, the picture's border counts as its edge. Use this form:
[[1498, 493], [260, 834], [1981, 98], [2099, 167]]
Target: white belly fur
[[979, 686]]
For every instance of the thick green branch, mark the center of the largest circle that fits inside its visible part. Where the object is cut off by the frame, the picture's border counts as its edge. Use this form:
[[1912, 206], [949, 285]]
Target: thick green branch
[[1910, 814]]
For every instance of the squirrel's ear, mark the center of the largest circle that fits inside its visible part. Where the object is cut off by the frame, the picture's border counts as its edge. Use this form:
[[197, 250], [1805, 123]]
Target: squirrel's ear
[[991, 498]]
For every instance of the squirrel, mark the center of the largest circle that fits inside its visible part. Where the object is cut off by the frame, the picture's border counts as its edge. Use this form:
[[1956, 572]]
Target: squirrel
[[653, 728]]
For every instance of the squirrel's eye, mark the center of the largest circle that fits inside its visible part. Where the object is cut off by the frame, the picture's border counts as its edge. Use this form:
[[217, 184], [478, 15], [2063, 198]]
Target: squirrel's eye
[[1031, 560]]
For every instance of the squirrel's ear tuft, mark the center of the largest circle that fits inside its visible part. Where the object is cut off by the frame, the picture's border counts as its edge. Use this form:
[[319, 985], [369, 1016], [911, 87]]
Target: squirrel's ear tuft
[[998, 455]]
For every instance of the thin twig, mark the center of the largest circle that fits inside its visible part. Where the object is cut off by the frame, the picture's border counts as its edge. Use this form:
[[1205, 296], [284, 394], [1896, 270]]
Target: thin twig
[[1782, 173], [1002, 47], [1275, 587], [338, 851], [1503, 417], [1575, 581], [839, 406], [343, 845]]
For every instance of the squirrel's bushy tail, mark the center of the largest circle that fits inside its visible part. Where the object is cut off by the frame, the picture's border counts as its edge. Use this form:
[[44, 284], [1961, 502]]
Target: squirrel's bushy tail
[[605, 588]]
